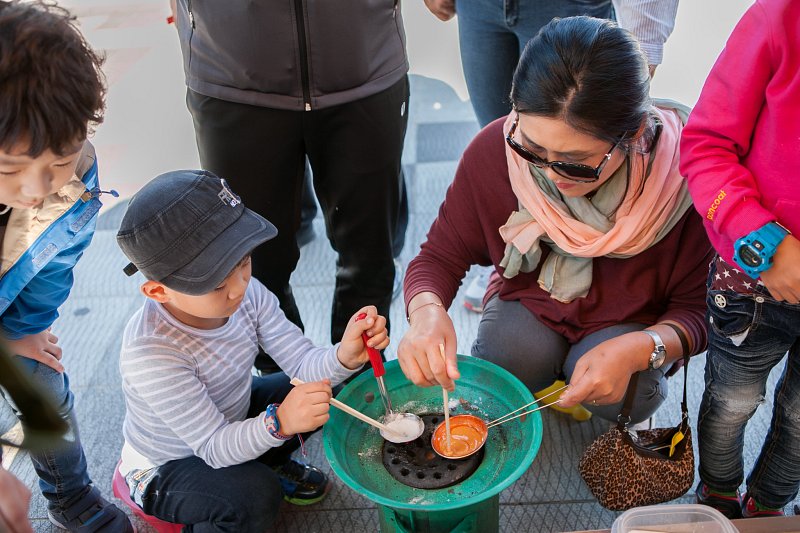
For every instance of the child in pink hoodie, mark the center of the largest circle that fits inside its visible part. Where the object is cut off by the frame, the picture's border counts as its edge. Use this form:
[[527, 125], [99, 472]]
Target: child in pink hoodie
[[740, 152]]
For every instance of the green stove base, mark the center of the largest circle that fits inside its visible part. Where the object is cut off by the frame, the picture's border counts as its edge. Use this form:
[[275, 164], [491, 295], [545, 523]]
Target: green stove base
[[482, 517]]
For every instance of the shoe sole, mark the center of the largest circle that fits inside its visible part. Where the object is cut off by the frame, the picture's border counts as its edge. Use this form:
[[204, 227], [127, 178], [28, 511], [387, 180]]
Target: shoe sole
[[474, 308], [304, 501], [55, 522], [730, 510], [62, 526], [308, 501]]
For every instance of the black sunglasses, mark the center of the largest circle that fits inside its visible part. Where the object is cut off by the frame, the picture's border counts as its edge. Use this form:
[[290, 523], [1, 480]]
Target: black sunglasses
[[573, 171]]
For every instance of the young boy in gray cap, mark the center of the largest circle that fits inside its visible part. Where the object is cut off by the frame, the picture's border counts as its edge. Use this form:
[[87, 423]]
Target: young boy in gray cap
[[206, 443]]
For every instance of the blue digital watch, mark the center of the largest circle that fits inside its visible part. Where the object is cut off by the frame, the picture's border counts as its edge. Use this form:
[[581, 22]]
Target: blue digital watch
[[754, 251]]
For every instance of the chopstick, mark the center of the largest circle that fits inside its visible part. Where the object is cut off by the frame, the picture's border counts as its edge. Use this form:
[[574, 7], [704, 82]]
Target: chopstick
[[527, 405], [495, 423], [446, 401], [358, 414]]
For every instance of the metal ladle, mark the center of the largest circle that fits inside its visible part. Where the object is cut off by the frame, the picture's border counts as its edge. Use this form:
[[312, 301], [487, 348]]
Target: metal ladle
[[474, 431], [407, 424]]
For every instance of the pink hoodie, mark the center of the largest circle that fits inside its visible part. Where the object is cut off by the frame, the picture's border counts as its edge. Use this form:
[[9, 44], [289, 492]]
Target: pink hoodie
[[740, 150]]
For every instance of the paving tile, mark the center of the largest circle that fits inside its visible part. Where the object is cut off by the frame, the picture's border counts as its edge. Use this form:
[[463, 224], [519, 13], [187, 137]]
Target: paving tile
[[433, 101], [111, 218], [99, 272], [314, 521], [553, 474], [90, 334], [548, 517], [429, 185], [443, 141]]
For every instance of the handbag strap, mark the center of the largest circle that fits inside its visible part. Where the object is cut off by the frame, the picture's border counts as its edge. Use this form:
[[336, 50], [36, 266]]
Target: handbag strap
[[624, 418]]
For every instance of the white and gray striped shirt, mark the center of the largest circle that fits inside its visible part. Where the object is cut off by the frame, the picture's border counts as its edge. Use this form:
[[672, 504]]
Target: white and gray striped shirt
[[187, 390], [651, 21]]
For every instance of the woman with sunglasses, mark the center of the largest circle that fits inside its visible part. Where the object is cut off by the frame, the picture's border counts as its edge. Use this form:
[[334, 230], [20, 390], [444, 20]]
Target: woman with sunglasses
[[576, 200]]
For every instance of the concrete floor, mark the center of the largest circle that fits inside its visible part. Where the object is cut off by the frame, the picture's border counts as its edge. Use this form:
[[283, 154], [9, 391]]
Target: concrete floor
[[146, 113]]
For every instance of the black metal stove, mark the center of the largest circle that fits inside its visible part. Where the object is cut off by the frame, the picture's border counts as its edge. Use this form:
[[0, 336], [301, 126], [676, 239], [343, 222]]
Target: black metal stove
[[416, 464]]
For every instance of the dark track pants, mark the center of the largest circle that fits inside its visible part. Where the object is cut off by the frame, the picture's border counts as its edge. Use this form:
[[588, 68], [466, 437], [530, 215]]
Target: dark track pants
[[355, 153]]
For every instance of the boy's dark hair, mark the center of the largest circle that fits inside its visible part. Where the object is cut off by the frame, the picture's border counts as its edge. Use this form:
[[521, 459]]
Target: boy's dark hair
[[51, 85], [589, 72]]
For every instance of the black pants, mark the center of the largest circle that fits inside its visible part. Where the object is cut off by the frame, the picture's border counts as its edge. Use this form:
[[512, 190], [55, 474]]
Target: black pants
[[355, 154], [308, 210]]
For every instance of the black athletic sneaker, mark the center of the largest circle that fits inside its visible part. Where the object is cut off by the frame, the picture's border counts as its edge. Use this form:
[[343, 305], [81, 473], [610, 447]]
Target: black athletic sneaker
[[302, 484], [727, 503], [89, 512]]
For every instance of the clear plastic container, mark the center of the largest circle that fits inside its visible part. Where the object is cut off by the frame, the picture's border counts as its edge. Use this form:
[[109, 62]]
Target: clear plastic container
[[689, 518]]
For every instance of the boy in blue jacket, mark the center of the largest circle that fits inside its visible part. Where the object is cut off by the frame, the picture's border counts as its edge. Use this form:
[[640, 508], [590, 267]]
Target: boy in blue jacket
[[52, 90]]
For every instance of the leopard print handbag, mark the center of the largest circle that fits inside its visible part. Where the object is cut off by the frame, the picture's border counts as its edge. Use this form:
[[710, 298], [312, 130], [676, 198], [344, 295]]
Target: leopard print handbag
[[625, 468]]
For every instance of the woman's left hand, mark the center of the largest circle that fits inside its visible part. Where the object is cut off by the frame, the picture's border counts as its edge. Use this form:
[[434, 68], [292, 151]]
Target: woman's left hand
[[601, 376]]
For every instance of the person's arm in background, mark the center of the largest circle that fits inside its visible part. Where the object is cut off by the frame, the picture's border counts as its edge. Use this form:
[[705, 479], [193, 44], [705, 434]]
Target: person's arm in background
[[651, 21], [443, 9]]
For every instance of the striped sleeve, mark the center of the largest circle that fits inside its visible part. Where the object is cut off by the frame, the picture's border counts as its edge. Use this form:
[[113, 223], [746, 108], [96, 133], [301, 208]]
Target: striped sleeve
[[286, 344], [651, 21], [166, 384]]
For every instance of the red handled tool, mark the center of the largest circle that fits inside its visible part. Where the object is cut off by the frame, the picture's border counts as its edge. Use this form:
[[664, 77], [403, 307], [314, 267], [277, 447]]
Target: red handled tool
[[377, 367]]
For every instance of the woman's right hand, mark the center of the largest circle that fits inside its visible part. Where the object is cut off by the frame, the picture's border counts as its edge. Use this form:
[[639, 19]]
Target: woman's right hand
[[419, 353]]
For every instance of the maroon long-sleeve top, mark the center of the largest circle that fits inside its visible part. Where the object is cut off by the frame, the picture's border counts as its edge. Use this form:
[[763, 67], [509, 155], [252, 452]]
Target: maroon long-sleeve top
[[665, 282]]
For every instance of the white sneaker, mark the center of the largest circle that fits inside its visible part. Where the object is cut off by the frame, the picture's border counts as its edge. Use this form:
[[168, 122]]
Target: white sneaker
[[476, 290], [647, 423]]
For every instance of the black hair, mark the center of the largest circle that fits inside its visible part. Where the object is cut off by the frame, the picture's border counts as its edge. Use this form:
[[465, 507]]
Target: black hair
[[51, 86], [590, 73], [241, 262]]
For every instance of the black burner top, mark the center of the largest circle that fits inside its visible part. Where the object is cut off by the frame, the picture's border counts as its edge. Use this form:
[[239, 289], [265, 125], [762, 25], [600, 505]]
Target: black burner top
[[416, 464]]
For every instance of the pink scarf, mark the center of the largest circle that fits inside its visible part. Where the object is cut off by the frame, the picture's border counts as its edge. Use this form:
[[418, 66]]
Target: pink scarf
[[578, 229]]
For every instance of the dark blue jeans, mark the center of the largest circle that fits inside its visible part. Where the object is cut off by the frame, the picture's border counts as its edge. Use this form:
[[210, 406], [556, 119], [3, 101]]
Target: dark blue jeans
[[237, 499], [62, 470], [492, 35], [747, 336]]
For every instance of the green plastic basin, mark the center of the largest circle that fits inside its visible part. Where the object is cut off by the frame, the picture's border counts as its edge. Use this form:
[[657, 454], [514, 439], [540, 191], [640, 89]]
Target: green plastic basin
[[353, 448]]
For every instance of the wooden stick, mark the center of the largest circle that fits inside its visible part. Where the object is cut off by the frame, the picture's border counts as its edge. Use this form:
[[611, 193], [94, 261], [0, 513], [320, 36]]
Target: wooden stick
[[528, 404], [446, 401], [493, 424], [350, 411]]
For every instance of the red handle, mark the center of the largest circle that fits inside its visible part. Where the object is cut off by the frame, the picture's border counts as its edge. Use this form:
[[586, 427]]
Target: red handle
[[374, 355]]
